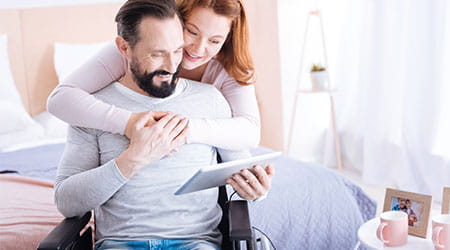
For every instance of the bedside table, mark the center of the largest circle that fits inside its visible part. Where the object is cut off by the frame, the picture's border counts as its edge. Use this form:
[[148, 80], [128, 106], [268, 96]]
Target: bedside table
[[367, 235]]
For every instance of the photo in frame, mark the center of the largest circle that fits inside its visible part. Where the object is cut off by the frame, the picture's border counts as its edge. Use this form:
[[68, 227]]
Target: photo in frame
[[445, 201], [417, 206]]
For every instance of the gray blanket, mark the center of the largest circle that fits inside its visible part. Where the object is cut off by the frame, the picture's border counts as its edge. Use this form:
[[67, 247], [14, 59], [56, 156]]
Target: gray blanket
[[311, 207]]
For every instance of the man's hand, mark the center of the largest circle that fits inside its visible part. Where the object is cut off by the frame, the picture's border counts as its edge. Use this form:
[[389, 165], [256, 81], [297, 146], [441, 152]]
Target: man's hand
[[155, 116], [151, 143], [252, 186]]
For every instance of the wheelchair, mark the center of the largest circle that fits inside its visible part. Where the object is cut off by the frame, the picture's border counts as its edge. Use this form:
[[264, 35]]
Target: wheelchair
[[235, 228]]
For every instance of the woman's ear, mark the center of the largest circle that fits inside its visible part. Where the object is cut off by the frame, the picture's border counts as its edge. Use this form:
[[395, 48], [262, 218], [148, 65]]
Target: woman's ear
[[123, 47]]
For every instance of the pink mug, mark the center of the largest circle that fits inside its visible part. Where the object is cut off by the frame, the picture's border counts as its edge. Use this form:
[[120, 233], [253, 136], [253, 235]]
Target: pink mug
[[393, 228], [441, 232]]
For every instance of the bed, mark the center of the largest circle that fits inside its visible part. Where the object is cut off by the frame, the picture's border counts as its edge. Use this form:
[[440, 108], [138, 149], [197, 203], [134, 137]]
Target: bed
[[308, 207]]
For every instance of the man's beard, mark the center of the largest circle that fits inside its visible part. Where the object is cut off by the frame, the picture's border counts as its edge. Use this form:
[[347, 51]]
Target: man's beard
[[145, 81]]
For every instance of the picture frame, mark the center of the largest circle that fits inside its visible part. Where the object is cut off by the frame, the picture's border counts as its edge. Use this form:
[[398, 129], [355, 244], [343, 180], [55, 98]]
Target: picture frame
[[445, 201], [416, 205]]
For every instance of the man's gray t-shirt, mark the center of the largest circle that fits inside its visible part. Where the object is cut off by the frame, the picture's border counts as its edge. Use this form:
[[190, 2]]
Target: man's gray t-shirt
[[143, 207]]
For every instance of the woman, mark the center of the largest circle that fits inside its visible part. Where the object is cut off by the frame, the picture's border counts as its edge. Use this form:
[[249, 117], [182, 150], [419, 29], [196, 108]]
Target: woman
[[216, 52]]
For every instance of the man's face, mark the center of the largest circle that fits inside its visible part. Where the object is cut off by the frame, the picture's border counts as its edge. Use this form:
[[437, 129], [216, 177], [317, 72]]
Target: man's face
[[157, 55], [401, 202]]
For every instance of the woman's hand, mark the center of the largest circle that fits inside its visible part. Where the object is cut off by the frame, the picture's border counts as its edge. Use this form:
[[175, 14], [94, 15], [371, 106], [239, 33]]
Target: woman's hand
[[252, 186]]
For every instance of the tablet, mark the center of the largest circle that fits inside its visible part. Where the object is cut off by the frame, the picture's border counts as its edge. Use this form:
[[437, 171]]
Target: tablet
[[216, 175]]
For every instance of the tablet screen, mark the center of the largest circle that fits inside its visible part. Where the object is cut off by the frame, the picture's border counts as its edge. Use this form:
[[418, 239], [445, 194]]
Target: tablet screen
[[216, 175]]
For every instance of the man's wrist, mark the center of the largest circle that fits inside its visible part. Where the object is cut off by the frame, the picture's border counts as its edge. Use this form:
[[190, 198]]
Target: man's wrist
[[261, 197], [126, 165]]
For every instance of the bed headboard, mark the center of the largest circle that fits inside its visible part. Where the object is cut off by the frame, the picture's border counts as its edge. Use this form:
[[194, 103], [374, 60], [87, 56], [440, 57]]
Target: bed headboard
[[32, 33]]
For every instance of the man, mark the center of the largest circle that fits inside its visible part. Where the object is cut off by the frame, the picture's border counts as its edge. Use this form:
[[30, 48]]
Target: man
[[401, 206], [124, 181]]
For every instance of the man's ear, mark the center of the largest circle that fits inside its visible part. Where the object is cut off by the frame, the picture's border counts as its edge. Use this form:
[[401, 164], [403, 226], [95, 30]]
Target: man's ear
[[123, 47]]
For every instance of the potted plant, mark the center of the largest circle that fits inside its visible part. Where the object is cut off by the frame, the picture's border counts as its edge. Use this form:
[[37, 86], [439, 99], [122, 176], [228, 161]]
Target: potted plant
[[319, 77]]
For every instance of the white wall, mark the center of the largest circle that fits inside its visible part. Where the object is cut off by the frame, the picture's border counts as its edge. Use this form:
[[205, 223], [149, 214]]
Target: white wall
[[20, 4], [313, 110], [263, 24]]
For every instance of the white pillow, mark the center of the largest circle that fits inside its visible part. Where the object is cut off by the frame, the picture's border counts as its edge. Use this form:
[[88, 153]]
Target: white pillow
[[54, 128], [16, 126], [8, 88], [68, 57]]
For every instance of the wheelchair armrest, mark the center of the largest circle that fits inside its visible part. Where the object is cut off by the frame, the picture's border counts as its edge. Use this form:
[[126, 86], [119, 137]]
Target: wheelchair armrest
[[239, 220], [65, 232]]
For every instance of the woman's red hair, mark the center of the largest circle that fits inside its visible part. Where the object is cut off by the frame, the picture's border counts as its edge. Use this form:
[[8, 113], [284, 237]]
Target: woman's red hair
[[235, 53]]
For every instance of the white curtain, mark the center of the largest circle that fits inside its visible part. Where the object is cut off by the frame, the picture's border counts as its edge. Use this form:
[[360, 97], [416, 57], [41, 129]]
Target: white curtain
[[392, 71]]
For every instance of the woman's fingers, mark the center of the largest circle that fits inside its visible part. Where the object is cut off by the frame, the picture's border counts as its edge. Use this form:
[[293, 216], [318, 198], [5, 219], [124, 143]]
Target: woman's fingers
[[142, 120], [158, 115], [178, 128], [180, 139], [170, 126], [164, 120], [150, 122]]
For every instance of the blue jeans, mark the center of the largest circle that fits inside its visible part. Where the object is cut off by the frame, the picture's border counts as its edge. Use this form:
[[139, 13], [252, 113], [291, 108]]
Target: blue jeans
[[157, 245]]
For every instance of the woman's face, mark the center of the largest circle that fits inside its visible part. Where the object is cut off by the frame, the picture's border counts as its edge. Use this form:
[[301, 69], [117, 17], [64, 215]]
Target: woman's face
[[204, 34]]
